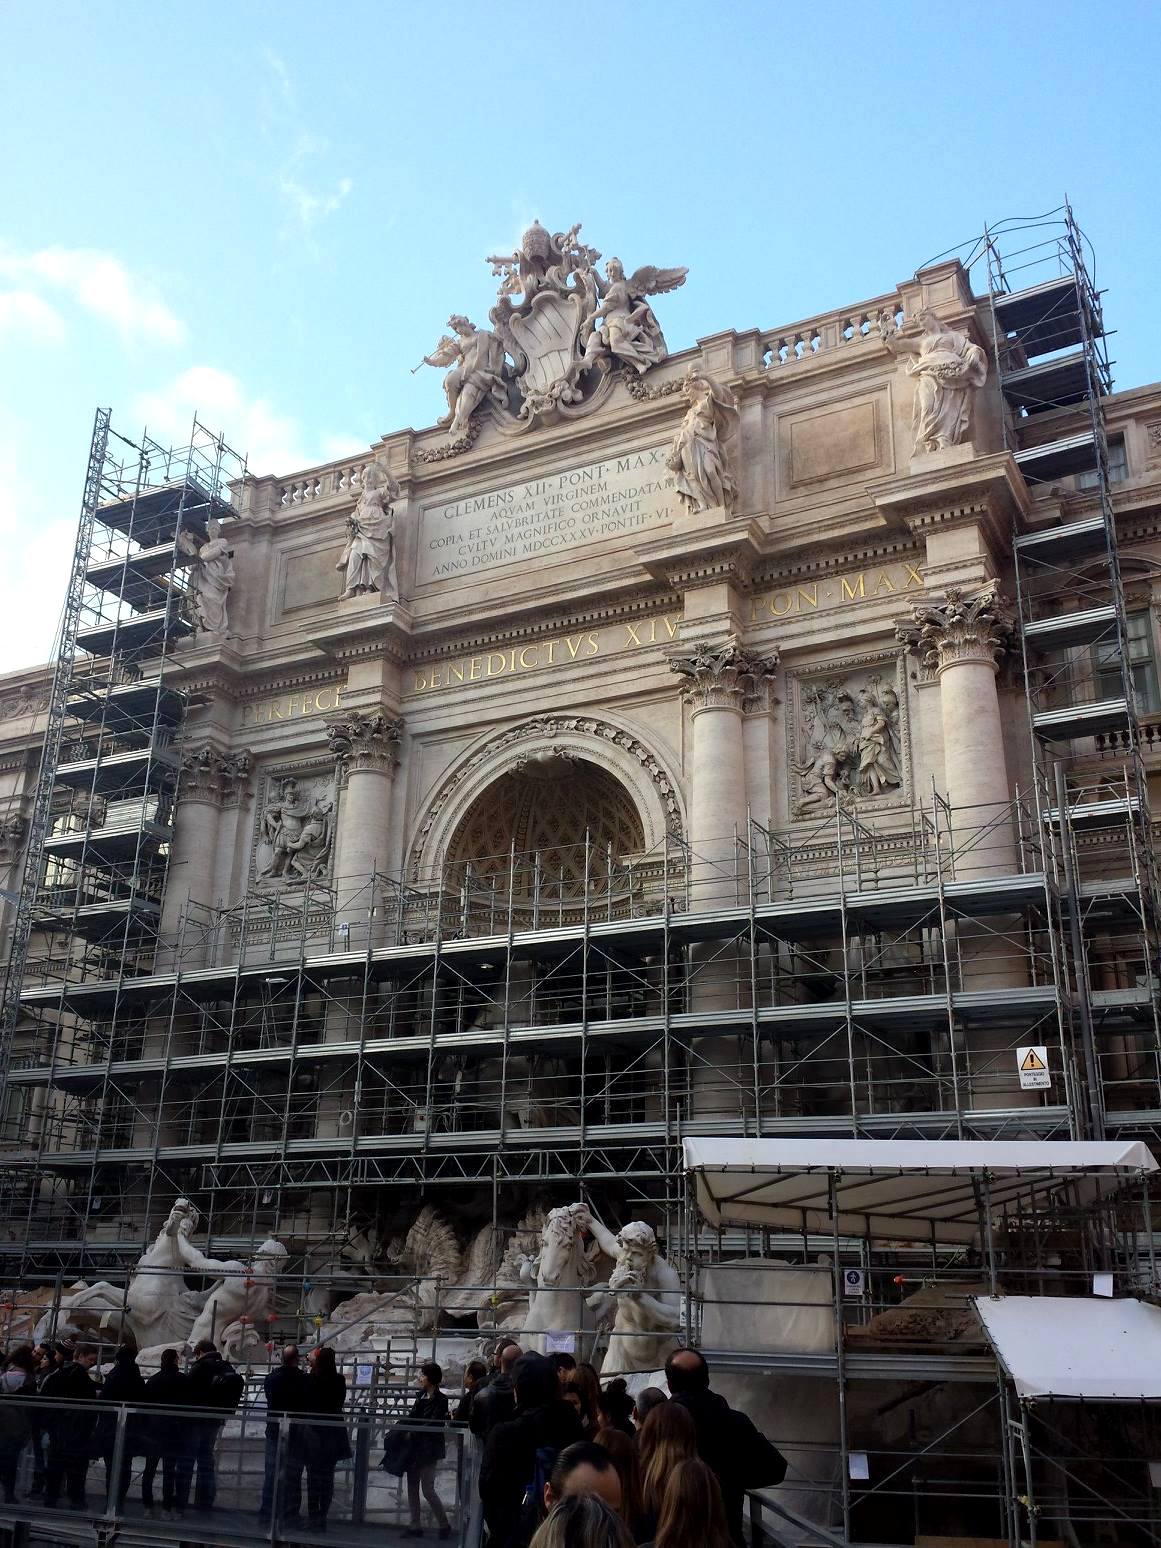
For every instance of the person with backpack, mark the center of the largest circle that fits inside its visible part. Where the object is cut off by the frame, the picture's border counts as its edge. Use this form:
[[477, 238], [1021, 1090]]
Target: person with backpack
[[426, 1447], [216, 1388], [521, 1453], [164, 1435], [734, 1449]]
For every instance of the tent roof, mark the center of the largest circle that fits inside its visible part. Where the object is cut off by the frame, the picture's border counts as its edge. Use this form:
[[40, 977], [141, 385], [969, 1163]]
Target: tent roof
[[1065, 1347], [910, 1189]]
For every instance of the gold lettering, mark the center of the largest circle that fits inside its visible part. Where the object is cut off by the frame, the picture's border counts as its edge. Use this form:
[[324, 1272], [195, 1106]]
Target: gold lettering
[[884, 583], [524, 665], [851, 592], [594, 644], [472, 672], [420, 682], [511, 661], [808, 596], [275, 711], [913, 576], [551, 652], [437, 677], [458, 670], [496, 655], [781, 612], [573, 649], [318, 699], [634, 637], [671, 624]]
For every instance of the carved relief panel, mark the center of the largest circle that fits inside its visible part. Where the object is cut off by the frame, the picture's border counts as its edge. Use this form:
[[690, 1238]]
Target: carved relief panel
[[848, 737], [294, 826]]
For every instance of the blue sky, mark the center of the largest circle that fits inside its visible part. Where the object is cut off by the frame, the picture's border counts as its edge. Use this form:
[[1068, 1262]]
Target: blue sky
[[267, 211]]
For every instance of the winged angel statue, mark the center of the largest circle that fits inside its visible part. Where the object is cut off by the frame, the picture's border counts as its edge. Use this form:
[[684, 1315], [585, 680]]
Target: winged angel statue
[[558, 323]]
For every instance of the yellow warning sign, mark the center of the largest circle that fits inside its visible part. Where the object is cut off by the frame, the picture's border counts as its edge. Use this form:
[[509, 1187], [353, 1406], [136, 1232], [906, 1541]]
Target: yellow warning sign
[[1032, 1066]]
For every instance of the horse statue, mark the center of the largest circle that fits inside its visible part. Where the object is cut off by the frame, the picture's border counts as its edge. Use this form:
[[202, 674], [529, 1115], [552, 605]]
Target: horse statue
[[561, 1273]]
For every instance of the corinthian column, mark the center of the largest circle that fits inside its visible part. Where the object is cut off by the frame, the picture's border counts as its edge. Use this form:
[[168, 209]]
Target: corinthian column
[[720, 678], [962, 640], [366, 744], [207, 776]]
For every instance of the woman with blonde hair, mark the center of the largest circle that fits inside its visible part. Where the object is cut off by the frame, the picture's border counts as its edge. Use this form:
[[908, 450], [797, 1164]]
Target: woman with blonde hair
[[582, 1521], [667, 1437], [692, 1515]]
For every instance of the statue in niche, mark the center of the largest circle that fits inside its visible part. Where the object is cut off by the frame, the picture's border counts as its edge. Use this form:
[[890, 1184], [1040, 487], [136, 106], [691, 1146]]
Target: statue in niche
[[697, 454], [368, 560], [479, 371], [642, 1295], [948, 370], [631, 334], [213, 575], [852, 746], [297, 827]]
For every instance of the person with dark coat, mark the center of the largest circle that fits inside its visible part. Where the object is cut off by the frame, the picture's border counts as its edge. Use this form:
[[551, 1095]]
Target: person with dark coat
[[497, 1401], [164, 1435], [285, 1388], [324, 1446], [426, 1447], [520, 1452], [17, 1385], [729, 1443], [122, 1386], [70, 1426], [214, 1385], [474, 1373]]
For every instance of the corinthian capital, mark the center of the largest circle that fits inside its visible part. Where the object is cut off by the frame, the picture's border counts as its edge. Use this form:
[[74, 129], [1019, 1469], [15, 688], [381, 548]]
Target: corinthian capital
[[363, 739], [212, 776], [963, 627], [722, 674]]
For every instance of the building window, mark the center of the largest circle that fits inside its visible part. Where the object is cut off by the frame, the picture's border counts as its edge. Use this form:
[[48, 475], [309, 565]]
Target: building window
[[1118, 468], [1142, 668]]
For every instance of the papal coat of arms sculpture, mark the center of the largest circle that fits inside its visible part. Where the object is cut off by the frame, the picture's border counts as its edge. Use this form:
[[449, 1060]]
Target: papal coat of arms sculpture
[[560, 328]]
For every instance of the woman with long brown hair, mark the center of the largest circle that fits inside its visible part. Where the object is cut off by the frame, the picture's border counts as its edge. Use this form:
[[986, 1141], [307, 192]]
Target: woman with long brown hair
[[622, 1449], [667, 1437], [692, 1515]]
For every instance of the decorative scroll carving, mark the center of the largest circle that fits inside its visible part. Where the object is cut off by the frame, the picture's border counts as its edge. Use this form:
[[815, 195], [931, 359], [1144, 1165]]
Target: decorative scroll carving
[[368, 560], [963, 627], [722, 675], [29, 701], [697, 454], [296, 834], [213, 776], [948, 370], [365, 740], [548, 728]]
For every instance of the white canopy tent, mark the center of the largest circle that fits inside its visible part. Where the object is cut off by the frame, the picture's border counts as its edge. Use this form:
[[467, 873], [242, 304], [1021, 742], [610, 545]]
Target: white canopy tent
[[1076, 1347], [902, 1189]]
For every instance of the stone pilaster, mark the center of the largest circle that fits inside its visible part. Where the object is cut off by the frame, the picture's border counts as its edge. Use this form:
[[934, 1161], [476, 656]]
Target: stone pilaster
[[207, 778], [721, 681], [366, 743], [962, 640]]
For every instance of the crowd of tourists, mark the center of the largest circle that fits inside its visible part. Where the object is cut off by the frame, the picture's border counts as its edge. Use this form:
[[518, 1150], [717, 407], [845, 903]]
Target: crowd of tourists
[[563, 1461]]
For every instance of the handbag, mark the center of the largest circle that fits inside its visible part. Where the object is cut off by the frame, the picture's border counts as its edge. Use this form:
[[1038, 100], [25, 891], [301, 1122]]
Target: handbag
[[396, 1453]]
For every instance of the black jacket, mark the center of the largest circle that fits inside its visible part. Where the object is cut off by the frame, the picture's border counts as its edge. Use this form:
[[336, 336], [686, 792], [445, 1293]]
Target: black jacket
[[325, 1444], [71, 1428], [735, 1450], [286, 1393], [214, 1383], [429, 1413], [492, 1405], [165, 1433], [509, 1464], [123, 1384]]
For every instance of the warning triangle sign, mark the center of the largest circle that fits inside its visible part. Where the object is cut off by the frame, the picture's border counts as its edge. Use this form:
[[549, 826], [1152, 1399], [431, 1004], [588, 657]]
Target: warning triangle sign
[[1032, 1061]]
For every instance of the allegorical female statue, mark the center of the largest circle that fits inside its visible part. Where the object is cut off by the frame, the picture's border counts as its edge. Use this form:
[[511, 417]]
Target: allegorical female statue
[[369, 557], [948, 368], [213, 575], [697, 454]]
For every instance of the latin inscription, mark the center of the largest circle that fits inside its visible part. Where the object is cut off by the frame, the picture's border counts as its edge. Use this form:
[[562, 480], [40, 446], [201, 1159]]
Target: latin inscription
[[560, 650], [291, 706], [545, 516], [836, 591]]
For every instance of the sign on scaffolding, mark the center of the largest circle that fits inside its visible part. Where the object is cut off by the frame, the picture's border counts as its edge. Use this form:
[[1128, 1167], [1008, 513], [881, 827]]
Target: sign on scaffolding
[[1032, 1064]]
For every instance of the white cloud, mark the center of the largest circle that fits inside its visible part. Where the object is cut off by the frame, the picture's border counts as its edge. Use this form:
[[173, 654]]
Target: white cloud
[[38, 548], [280, 122], [270, 441], [99, 283], [310, 207], [23, 311]]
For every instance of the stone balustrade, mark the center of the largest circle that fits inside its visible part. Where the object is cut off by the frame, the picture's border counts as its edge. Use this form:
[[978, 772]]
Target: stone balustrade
[[832, 331], [325, 483]]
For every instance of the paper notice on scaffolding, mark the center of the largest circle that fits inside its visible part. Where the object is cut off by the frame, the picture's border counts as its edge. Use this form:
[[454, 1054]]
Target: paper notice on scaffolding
[[860, 1464], [560, 1343], [1032, 1064]]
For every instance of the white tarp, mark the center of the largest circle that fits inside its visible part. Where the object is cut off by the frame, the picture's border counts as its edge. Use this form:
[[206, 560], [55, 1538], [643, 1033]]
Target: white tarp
[[1076, 1347], [919, 1190]]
